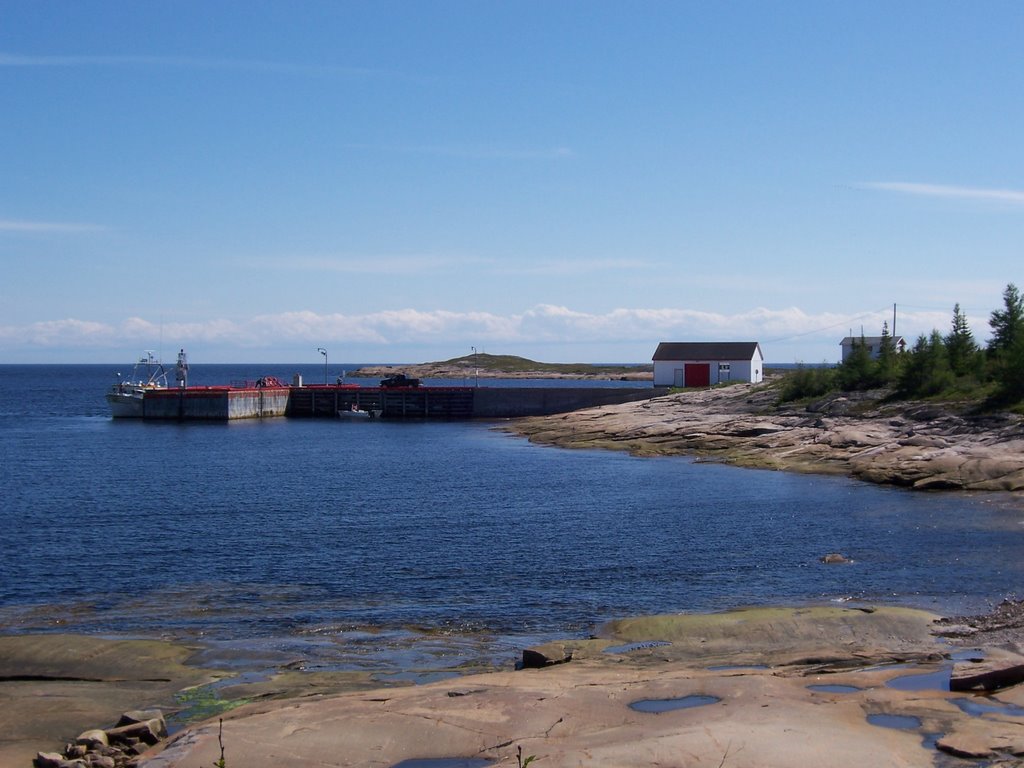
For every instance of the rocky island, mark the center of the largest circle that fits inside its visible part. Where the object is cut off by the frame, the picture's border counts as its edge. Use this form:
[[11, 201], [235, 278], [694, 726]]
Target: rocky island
[[485, 366]]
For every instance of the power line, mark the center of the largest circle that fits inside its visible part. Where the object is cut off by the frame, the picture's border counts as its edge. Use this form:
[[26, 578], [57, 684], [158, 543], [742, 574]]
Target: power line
[[847, 321]]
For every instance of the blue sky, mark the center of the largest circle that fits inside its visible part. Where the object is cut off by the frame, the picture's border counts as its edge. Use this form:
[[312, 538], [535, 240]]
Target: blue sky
[[568, 181]]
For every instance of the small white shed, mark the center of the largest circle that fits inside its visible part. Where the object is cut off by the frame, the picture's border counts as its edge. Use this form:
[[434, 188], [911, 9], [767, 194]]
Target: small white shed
[[705, 363]]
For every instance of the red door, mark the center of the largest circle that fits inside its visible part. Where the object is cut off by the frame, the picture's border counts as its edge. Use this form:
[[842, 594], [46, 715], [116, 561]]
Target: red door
[[698, 374]]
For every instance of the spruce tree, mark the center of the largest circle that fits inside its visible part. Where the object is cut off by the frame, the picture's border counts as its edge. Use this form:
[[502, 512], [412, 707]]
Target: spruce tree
[[926, 370], [886, 367], [960, 346], [1007, 323], [1006, 347], [857, 371]]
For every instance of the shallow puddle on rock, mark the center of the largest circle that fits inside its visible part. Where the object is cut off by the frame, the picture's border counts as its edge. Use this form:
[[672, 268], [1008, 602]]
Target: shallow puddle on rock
[[657, 706], [929, 681], [931, 740], [968, 654], [444, 762], [833, 688], [901, 722], [981, 705]]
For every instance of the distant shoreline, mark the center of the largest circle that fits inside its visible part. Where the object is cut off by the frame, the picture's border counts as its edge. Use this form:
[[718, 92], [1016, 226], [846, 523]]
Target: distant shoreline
[[443, 371]]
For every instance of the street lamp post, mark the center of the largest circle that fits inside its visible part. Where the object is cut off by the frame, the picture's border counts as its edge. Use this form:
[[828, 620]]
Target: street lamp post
[[323, 352]]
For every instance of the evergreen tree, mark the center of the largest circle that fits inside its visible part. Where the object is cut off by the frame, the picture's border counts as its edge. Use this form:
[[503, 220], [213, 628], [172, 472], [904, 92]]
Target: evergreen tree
[[1007, 323], [1010, 373], [960, 346], [886, 368], [926, 371], [1006, 348], [857, 371]]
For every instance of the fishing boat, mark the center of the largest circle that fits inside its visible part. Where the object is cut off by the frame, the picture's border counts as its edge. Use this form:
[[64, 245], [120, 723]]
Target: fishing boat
[[126, 397], [355, 412]]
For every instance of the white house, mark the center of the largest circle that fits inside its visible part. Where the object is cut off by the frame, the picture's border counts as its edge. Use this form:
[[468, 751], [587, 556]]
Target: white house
[[873, 343], [704, 363]]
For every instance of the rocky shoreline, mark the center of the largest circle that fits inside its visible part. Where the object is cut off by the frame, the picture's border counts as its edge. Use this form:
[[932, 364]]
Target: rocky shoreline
[[768, 686], [924, 446], [760, 688]]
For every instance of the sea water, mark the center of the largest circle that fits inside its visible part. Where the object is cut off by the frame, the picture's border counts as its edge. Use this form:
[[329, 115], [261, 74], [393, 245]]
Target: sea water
[[308, 528]]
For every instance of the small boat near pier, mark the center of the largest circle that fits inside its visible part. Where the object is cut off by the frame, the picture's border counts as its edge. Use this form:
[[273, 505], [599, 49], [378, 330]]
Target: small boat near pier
[[127, 396]]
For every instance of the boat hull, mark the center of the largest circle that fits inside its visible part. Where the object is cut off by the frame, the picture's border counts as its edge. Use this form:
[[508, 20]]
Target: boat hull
[[125, 405]]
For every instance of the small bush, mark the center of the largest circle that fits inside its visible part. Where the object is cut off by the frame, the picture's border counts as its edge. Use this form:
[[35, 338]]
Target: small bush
[[805, 382]]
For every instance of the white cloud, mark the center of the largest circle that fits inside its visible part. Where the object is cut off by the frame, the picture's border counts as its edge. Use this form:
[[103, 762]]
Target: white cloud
[[1013, 196], [542, 324]]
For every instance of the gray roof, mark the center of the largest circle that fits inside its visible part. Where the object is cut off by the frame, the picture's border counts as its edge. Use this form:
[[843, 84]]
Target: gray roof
[[707, 350]]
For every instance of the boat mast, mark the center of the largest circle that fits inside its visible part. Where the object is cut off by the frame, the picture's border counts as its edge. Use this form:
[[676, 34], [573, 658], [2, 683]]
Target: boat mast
[[181, 370]]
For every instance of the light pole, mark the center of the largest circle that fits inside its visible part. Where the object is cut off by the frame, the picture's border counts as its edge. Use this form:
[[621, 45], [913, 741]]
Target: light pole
[[323, 352]]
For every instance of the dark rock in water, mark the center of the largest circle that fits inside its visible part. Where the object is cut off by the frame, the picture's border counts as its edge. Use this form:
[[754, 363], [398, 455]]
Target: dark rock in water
[[1000, 669], [545, 655], [835, 558]]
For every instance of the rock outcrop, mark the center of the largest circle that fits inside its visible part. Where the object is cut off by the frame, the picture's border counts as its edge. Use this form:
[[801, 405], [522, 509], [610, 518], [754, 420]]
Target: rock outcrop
[[774, 688], [116, 747], [920, 446]]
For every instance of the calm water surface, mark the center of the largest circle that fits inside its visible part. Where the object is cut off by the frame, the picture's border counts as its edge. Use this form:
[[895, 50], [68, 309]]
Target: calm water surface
[[325, 529]]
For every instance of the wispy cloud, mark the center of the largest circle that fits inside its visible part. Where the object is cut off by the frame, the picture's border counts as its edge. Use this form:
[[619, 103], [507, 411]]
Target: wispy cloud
[[1013, 196], [473, 151], [377, 264], [183, 62], [576, 267], [427, 263], [8, 225]]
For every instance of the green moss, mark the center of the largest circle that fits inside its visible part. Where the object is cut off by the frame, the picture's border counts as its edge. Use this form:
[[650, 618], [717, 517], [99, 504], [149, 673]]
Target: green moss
[[203, 702]]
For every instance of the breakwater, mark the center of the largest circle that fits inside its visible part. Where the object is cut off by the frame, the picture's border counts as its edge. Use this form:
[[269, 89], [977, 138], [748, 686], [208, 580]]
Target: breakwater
[[326, 401]]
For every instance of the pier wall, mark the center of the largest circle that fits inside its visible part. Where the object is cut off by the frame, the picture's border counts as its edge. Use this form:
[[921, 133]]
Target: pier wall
[[214, 403], [510, 402], [325, 401]]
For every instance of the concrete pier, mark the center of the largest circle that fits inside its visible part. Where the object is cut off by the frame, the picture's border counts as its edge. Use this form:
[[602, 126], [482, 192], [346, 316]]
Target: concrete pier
[[325, 401], [215, 403]]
